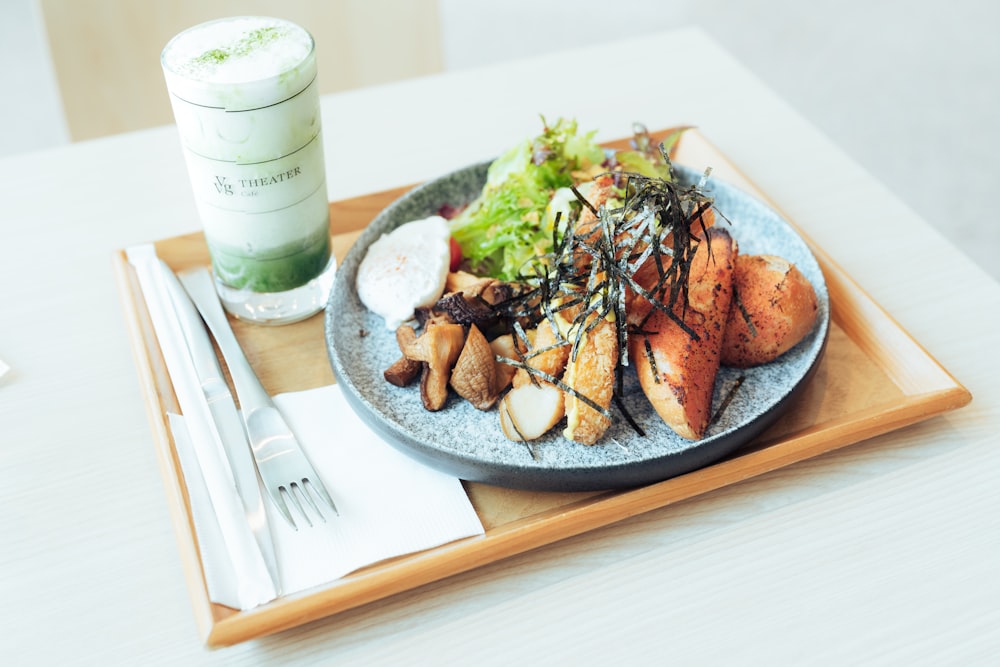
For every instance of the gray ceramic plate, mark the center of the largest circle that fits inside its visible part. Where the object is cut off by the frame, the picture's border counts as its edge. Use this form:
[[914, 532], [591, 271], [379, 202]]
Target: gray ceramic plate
[[467, 443]]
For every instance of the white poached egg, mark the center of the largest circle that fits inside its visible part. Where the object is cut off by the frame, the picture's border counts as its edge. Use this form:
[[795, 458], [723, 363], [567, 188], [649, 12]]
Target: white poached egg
[[405, 269]]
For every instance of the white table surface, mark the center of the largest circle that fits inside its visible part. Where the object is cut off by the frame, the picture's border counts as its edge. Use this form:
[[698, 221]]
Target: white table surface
[[887, 552]]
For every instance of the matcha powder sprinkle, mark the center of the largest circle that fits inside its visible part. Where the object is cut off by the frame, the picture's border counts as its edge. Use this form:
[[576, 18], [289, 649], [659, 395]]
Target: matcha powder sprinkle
[[246, 45]]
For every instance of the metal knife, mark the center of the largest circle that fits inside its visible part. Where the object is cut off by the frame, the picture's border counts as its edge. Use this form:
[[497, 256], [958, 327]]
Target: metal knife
[[279, 455], [228, 425]]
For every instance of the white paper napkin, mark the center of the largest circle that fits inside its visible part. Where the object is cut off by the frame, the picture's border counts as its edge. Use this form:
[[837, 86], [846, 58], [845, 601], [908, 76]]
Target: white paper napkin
[[389, 504], [3, 368]]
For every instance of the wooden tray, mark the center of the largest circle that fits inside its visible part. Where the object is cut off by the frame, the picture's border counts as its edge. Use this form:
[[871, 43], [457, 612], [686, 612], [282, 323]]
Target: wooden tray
[[874, 378]]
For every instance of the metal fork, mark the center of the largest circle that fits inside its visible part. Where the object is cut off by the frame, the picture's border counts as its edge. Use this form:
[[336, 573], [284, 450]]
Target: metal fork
[[284, 469]]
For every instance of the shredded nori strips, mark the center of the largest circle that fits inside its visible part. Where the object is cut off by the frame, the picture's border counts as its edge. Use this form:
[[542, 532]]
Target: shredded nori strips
[[587, 275]]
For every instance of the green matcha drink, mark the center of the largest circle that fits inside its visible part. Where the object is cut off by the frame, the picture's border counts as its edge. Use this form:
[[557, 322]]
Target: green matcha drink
[[244, 96]]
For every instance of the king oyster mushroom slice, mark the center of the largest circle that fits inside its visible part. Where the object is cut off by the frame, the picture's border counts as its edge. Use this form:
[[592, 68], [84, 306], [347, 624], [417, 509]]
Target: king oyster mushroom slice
[[404, 370], [474, 375], [438, 347]]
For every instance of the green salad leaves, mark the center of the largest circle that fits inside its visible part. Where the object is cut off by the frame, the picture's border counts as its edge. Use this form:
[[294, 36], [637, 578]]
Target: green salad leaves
[[528, 189]]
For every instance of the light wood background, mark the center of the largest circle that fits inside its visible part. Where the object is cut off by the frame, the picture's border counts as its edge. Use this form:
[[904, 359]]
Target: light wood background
[[106, 53]]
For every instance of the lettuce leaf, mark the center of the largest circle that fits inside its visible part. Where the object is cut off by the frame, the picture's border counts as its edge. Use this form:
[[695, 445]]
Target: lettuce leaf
[[512, 221], [506, 226]]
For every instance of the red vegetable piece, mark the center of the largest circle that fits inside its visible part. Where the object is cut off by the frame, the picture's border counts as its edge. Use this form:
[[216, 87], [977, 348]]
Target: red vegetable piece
[[456, 255]]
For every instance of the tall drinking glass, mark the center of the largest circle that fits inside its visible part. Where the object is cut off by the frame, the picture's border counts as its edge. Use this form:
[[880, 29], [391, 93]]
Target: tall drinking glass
[[244, 96]]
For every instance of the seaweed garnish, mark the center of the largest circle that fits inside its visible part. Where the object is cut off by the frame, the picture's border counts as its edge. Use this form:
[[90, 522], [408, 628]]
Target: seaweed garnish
[[593, 271], [642, 141], [728, 398], [628, 417], [652, 361], [744, 313]]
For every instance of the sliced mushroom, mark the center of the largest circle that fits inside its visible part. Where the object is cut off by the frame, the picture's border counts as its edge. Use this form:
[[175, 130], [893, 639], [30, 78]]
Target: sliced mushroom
[[427, 316], [463, 281], [490, 290], [499, 291], [404, 336], [438, 347], [503, 346], [402, 372], [474, 375], [466, 309]]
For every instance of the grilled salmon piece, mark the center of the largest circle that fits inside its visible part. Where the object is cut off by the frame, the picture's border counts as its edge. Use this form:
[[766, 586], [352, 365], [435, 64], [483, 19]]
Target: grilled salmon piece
[[677, 369], [774, 307]]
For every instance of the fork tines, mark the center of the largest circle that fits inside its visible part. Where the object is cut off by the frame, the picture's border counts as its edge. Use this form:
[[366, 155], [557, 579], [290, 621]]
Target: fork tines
[[300, 494]]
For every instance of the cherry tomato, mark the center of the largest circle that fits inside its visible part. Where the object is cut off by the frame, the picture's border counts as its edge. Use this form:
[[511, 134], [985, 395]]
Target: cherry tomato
[[456, 255]]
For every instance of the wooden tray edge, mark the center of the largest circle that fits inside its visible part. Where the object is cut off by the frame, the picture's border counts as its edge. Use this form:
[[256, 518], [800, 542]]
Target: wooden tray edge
[[140, 332]]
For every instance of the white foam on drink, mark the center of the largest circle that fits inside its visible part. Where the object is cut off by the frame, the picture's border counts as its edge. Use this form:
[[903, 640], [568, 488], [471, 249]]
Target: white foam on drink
[[235, 50]]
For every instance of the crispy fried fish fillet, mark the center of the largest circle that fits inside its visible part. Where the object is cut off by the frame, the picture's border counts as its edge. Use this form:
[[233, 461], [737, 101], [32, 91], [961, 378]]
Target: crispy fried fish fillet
[[591, 374]]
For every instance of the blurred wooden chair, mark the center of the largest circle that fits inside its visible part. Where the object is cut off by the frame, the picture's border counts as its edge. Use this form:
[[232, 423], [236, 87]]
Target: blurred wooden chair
[[106, 53]]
